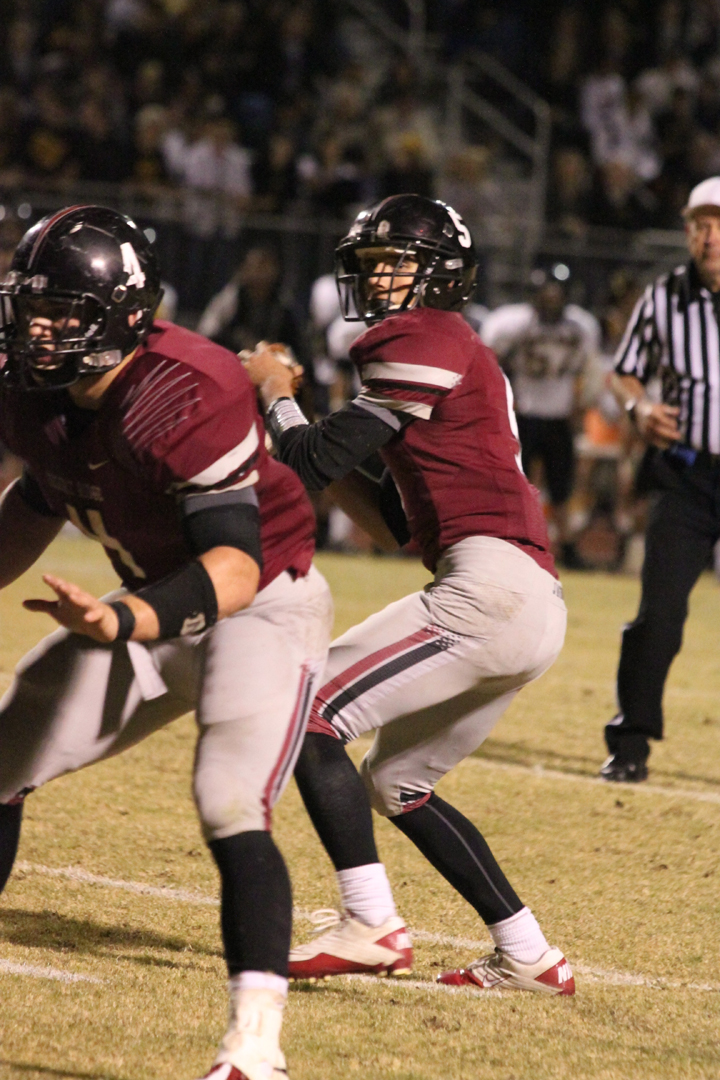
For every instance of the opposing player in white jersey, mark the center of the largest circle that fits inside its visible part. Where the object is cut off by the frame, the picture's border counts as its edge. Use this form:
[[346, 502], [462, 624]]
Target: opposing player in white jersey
[[431, 674], [544, 347], [148, 438]]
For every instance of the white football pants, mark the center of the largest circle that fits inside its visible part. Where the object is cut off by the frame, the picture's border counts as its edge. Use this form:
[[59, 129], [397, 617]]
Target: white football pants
[[433, 673], [251, 680]]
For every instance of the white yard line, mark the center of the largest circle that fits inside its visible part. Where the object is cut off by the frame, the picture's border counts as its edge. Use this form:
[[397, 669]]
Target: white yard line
[[75, 873], [474, 947], [556, 774], [34, 972]]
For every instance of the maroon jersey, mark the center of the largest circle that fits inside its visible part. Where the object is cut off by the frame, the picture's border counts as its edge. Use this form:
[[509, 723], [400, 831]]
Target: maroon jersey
[[180, 419], [457, 465]]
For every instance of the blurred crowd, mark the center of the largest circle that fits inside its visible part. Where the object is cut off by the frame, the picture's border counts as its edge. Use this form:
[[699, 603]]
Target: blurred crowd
[[280, 104], [261, 101], [635, 93]]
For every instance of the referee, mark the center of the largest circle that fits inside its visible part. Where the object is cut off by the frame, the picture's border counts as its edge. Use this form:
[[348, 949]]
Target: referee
[[673, 336]]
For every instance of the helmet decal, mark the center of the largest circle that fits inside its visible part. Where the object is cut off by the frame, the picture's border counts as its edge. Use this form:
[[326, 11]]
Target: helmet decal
[[131, 266]]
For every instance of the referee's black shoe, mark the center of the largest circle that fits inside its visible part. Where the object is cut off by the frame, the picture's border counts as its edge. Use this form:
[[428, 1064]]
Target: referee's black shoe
[[622, 770]]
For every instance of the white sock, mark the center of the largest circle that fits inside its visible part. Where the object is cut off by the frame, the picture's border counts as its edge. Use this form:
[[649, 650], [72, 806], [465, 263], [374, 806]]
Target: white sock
[[520, 937], [366, 893], [257, 1000], [257, 980]]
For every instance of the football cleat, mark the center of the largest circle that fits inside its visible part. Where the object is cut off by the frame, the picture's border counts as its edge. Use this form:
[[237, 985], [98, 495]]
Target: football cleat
[[349, 947], [498, 971], [620, 770], [226, 1071], [249, 1049]]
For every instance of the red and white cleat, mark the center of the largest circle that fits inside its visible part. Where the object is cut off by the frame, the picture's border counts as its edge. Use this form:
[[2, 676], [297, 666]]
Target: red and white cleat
[[349, 947], [498, 971], [226, 1071]]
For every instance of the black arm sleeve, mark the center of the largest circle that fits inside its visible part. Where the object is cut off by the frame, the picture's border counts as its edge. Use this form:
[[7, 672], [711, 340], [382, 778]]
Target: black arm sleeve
[[225, 519], [330, 449], [392, 510], [29, 490]]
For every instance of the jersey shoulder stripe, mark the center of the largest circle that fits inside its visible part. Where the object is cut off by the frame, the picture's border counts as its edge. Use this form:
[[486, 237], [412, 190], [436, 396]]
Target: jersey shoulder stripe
[[392, 372], [230, 472], [405, 404]]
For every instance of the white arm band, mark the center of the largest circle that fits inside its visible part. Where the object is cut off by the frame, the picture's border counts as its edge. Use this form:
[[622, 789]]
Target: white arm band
[[283, 414]]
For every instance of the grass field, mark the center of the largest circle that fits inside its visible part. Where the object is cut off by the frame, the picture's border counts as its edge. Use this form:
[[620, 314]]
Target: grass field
[[110, 963]]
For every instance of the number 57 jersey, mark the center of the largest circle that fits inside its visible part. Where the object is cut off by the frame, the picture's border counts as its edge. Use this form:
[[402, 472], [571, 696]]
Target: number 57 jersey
[[457, 464], [177, 429]]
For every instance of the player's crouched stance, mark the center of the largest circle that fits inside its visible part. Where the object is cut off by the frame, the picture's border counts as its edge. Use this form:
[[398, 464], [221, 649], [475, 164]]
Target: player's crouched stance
[[433, 673], [148, 438]]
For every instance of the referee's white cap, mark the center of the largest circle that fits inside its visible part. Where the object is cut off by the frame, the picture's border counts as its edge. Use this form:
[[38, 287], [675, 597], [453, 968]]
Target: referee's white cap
[[706, 193]]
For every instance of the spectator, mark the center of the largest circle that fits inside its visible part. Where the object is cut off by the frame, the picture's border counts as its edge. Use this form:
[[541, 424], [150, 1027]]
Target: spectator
[[48, 139], [620, 200], [149, 165], [251, 308], [274, 173], [465, 183], [10, 143], [101, 155], [216, 175], [569, 193]]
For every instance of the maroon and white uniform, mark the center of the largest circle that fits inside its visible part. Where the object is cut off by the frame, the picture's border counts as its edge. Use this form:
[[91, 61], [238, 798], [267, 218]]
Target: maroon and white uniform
[[434, 672], [181, 420], [177, 429], [458, 473]]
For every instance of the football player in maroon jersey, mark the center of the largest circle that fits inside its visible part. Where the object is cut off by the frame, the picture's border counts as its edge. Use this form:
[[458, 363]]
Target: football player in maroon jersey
[[147, 437], [431, 674]]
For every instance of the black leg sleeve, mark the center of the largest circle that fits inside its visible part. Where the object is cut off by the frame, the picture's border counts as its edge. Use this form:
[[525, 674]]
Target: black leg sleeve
[[678, 543], [457, 851], [336, 801], [255, 904], [10, 820]]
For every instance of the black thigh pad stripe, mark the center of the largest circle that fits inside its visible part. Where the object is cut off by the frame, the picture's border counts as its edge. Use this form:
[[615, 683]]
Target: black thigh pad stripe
[[393, 667]]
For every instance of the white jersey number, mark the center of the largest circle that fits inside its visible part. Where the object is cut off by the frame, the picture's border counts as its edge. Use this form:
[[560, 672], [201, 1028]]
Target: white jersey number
[[513, 421], [95, 529], [463, 233]]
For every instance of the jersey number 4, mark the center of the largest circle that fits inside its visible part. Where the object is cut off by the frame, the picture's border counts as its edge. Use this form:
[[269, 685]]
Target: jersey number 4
[[94, 527]]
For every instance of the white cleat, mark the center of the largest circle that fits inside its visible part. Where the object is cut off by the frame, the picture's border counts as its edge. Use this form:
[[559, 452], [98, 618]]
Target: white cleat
[[250, 1050], [498, 971], [349, 947]]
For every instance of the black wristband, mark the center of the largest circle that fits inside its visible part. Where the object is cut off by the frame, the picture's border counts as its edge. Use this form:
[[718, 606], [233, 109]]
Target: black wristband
[[184, 602], [126, 620]]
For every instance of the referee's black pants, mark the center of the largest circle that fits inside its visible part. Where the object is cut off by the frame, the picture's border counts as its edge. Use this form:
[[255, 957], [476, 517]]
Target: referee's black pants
[[683, 526]]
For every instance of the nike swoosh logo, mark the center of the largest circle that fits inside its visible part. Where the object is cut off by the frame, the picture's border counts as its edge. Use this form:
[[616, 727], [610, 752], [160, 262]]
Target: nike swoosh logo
[[96, 465]]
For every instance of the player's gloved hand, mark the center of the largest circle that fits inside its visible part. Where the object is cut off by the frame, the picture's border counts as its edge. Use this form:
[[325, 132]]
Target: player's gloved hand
[[273, 370], [77, 610]]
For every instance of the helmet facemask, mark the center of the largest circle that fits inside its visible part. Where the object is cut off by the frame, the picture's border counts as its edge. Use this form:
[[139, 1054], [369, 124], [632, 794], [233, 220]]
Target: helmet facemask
[[50, 338], [379, 280]]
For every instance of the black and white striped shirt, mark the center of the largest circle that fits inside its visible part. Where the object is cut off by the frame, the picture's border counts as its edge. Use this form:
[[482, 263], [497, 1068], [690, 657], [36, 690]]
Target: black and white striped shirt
[[673, 334]]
